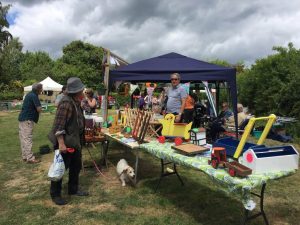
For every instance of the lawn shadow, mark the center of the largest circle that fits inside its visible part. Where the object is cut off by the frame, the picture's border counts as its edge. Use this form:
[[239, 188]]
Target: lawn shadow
[[199, 197]]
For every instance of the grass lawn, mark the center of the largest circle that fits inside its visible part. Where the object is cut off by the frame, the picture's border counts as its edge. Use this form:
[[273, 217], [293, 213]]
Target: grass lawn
[[24, 197]]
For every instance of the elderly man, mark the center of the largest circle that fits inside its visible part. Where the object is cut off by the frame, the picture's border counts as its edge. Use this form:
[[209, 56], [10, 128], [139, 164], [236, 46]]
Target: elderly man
[[176, 98], [28, 116], [68, 132], [225, 112]]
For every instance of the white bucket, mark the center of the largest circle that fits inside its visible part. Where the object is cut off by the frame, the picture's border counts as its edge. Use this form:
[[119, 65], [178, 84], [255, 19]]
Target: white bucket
[[98, 121]]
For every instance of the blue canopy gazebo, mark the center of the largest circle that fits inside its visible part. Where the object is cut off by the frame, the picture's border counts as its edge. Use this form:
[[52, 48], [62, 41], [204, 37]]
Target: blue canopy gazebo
[[160, 68]]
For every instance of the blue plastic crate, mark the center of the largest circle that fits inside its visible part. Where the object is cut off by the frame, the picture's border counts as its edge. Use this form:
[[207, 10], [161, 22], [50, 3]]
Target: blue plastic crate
[[230, 144]]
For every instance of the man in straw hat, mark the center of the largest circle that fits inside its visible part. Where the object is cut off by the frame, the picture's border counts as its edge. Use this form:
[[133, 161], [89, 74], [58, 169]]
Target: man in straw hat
[[68, 132]]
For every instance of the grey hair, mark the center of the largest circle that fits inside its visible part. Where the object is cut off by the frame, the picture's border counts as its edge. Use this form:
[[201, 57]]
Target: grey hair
[[175, 74], [240, 107], [36, 87]]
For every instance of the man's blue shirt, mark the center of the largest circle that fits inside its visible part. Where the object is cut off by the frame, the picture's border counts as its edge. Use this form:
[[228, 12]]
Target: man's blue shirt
[[175, 95], [29, 108]]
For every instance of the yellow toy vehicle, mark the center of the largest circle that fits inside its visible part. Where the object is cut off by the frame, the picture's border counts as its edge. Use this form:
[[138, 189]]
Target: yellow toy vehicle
[[170, 128]]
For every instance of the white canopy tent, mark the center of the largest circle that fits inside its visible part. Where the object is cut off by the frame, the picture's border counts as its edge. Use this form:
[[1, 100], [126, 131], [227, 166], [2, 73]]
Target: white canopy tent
[[48, 85], [50, 90]]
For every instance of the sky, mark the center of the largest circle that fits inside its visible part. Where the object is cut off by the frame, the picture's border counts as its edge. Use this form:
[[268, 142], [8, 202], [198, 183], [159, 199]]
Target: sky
[[231, 30]]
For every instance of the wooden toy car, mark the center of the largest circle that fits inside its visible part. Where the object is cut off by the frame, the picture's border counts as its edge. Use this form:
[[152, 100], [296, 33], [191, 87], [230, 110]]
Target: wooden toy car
[[237, 169], [218, 157], [170, 128]]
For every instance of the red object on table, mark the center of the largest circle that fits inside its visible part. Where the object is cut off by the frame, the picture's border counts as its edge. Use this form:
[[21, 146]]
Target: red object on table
[[70, 150], [249, 157], [161, 139], [178, 141]]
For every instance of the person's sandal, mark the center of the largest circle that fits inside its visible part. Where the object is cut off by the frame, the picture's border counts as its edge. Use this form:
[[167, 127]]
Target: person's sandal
[[33, 161]]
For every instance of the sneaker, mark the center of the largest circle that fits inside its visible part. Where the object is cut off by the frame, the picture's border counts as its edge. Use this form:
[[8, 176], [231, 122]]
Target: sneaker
[[59, 200], [33, 161], [80, 193]]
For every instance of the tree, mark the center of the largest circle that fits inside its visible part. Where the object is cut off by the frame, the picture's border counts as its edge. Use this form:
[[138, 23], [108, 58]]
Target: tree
[[239, 66], [82, 60], [10, 58], [224, 90], [36, 66], [272, 83], [5, 36]]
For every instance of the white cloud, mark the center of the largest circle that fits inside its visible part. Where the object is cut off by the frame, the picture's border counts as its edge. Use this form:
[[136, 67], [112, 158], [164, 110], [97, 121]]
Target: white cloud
[[138, 29]]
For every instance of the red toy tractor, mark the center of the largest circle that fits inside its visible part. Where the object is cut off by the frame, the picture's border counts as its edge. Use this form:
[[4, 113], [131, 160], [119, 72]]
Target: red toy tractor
[[218, 157]]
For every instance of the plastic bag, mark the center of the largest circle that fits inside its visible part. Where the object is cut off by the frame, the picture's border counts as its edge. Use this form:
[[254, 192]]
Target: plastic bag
[[57, 168]]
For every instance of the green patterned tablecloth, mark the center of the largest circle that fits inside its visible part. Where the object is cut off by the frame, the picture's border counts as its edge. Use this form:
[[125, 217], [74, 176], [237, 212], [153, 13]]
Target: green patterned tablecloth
[[241, 187]]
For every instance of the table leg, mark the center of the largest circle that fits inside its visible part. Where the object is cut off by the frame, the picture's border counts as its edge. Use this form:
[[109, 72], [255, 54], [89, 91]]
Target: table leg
[[104, 151], [136, 166], [262, 212], [164, 174], [175, 171]]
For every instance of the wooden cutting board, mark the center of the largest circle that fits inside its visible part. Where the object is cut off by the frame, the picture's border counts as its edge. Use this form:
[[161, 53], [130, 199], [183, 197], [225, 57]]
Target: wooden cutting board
[[190, 149]]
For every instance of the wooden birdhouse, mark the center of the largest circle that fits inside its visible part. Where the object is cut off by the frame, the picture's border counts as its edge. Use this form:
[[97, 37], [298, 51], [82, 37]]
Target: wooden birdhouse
[[198, 136]]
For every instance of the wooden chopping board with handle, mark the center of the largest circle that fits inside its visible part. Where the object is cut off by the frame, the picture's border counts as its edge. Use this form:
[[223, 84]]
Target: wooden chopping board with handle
[[190, 149]]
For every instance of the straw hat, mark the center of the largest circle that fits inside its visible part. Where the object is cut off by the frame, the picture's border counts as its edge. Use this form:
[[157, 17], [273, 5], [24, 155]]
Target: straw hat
[[74, 85]]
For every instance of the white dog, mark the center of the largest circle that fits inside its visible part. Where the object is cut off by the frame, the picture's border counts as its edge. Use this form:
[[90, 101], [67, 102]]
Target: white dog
[[125, 172]]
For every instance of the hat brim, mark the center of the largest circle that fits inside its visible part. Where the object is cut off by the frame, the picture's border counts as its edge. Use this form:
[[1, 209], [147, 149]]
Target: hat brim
[[76, 90]]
